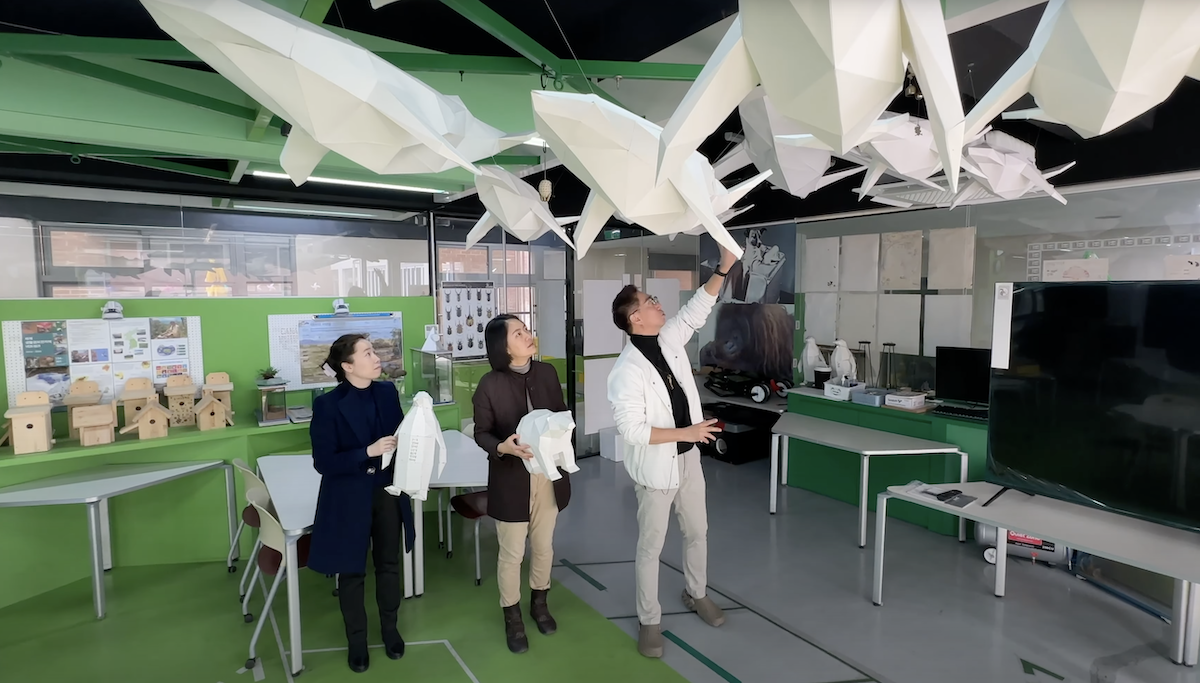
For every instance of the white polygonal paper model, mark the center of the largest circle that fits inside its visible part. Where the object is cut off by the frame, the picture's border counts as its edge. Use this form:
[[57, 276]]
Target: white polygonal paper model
[[336, 95], [615, 152], [1094, 66], [420, 450], [548, 435], [516, 206], [844, 365], [832, 66]]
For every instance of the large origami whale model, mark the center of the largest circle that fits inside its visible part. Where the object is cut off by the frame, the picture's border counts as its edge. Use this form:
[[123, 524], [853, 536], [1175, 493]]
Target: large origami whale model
[[516, 206], [832, 66], [336, 95], [1094, 66], [614, 152]]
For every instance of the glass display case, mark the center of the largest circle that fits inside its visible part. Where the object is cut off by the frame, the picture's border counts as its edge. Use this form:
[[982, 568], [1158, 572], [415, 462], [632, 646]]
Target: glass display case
[[433, 373], [272, 405]]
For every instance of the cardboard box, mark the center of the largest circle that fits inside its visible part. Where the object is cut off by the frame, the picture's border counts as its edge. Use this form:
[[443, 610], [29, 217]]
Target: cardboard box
[[907, 400]]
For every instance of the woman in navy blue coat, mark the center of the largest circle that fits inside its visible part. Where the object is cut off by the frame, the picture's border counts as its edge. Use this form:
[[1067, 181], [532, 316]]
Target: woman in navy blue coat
[[353, 426]]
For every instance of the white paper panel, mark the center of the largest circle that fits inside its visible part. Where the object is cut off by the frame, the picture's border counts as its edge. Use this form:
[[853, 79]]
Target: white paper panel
[[667, 291], [1075, 270], [856, 318], [860, 263], [900, 260], [554, 264], [820, 316], [551, 319], [952, 258], [1002, 324], [600, 336], [820, 273], [947, 321], [597, 411], [900, 322]]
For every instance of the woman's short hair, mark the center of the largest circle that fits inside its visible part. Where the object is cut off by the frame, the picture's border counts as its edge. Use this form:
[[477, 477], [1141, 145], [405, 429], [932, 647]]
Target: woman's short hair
[[341, 351], [495, 337]]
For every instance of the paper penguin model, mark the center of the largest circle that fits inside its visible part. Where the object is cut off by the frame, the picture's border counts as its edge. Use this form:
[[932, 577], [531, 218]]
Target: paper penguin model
[[844, 365], [420, 450], [548, 435], [812, 358]]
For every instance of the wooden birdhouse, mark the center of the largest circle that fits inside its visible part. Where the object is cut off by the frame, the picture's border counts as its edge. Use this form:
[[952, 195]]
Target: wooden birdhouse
[[139, 392], [217, 385], [212, 414], [181, 400], [151, 423], [81, 394], [95, 424], [31, 431]]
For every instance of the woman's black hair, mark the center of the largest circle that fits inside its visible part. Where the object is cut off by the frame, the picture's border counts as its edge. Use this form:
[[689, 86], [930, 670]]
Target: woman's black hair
[[495, 336], [341, 351]]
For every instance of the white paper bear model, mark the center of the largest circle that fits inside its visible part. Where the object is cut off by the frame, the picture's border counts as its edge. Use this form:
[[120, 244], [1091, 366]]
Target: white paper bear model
[[419, 449], [548, 435]]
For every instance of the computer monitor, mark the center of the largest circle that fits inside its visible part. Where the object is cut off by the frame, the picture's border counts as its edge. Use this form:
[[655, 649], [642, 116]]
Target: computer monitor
[[963, 375]]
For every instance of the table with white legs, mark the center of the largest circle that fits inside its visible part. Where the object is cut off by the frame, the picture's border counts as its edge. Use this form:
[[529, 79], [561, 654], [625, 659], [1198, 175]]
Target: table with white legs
[[1135, 542], [866, 443], [93, 487], [294, 485]]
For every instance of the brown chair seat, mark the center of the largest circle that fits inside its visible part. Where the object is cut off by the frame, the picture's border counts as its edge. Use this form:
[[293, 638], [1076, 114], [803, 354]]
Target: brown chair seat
[[470, 505], [270, 560]]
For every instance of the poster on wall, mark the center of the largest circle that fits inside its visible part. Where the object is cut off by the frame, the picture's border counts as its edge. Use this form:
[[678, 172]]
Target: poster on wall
[[754, 328], [47, 355], [299, 344], [1075, 270], [467, 307], [169, 347]]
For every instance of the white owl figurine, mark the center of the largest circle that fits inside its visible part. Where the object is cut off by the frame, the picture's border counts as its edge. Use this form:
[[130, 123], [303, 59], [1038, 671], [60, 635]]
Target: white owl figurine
[[811, 358], [844, 365], [548, 435], [420, 450]]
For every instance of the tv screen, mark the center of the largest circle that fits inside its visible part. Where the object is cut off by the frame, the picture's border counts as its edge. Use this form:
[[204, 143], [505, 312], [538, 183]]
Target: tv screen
[[963, 374], [1100, 401]]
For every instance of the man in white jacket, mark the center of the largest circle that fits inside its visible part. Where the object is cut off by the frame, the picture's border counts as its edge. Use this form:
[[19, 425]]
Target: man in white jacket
[[657, 409]]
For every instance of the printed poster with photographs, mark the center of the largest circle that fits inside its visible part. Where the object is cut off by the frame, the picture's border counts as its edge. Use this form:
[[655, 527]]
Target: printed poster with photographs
[[169, 347], [47, 359], [466, 309]]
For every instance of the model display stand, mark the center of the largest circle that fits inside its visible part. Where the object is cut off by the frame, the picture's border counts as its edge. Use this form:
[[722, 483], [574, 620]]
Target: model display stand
[[181, 400], [435, 375], [83, 393], [152, 422], [212, 414], [138, 394], [217, 385], [95, 423], [30, 423], [272, 405]]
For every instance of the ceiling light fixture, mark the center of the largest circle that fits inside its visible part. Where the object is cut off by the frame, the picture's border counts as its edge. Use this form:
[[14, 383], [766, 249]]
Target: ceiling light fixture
[[351, 183], [301, 211]]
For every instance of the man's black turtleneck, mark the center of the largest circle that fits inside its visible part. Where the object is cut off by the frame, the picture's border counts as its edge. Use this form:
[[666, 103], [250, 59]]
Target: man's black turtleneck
[[648, 345]]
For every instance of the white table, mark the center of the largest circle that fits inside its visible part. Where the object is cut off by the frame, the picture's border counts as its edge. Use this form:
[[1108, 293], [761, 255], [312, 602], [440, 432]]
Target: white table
[[294, 485], [867, 443], [93, 487], [1146, 545]]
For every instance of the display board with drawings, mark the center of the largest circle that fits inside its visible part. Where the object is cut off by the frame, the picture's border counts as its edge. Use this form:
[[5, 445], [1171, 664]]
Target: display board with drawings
[[47, 355], [1127, 258], [300, 344], [467, 307]]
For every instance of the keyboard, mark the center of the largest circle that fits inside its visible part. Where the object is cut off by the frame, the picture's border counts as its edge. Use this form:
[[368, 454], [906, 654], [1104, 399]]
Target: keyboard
[[963, 413]]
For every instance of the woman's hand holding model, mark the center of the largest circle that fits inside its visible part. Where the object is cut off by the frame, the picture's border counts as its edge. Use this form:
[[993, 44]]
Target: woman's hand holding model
[[512, 446], [385, 445]]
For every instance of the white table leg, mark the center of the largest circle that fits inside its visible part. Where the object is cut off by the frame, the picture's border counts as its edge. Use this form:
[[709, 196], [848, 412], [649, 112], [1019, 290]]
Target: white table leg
[[880, 527], [105, 535], [1191, 626], [962, 479], [449, 528], [1181, 618], [783, 459], [409, 554], [862, 501], [441, 536], [774, 471], [292, 562], [419, 551], [1001, 560], [94, 533], [231, 503]]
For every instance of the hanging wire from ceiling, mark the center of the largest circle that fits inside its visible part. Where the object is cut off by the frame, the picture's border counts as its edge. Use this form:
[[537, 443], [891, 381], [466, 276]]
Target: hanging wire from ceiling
[[569, 48], [29, 28]]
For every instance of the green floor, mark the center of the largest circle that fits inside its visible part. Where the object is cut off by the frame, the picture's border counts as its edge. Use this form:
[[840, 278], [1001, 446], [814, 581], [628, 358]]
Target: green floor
[[183, 624]]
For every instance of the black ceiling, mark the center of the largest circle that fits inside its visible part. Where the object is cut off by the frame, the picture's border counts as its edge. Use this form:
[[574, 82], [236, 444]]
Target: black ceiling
[[1162, 141]]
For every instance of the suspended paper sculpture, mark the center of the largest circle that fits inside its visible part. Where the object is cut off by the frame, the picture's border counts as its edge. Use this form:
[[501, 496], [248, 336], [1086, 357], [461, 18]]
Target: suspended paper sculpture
[[614, 152], [548, 435], [1094, 66], [831, 66], [516, 206], [420, 450], [337, 96]]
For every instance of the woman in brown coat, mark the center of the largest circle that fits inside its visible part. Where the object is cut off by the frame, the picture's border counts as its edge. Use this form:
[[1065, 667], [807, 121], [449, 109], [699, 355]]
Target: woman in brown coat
[[522, 504]]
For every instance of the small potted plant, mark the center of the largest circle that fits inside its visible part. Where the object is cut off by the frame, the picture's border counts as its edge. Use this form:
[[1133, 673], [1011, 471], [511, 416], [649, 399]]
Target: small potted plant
[[269, 378]]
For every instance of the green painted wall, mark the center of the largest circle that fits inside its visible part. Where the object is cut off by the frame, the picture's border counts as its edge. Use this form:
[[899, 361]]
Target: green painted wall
[[835, 473]]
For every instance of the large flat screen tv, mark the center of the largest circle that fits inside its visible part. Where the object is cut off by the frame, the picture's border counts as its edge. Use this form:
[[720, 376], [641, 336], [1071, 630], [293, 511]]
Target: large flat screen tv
[[1097, 400]]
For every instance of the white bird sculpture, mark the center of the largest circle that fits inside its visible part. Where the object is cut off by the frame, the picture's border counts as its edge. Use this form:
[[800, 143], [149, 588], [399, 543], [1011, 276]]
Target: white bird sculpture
[[844, 366], [516, 206], [420, 450]]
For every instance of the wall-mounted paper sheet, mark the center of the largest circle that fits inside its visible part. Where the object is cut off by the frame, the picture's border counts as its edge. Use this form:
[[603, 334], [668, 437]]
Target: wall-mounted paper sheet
[[859, 270], [900, 260], [600, 336], [856, 318], [1002, 324], [820, 316], [554, 264], [900, 321], [952, 258], [1182, 267], [820, 272], [667, 291], [597, 411], [1075, 270], [947, 322]]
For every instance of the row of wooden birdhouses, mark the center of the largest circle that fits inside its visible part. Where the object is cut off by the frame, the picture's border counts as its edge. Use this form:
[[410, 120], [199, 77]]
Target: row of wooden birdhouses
[[94, 422]]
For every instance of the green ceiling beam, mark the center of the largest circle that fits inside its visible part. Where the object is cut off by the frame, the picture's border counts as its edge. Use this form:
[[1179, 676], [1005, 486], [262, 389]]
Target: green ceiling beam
[[35, 146], [503, 30], [260, 124], [237, 169], [315, 11], [653, 71], [172, 166], [82, 46], [143, 85]]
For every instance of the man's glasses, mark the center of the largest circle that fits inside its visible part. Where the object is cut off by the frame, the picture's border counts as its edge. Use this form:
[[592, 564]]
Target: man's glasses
[[651, 299]]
